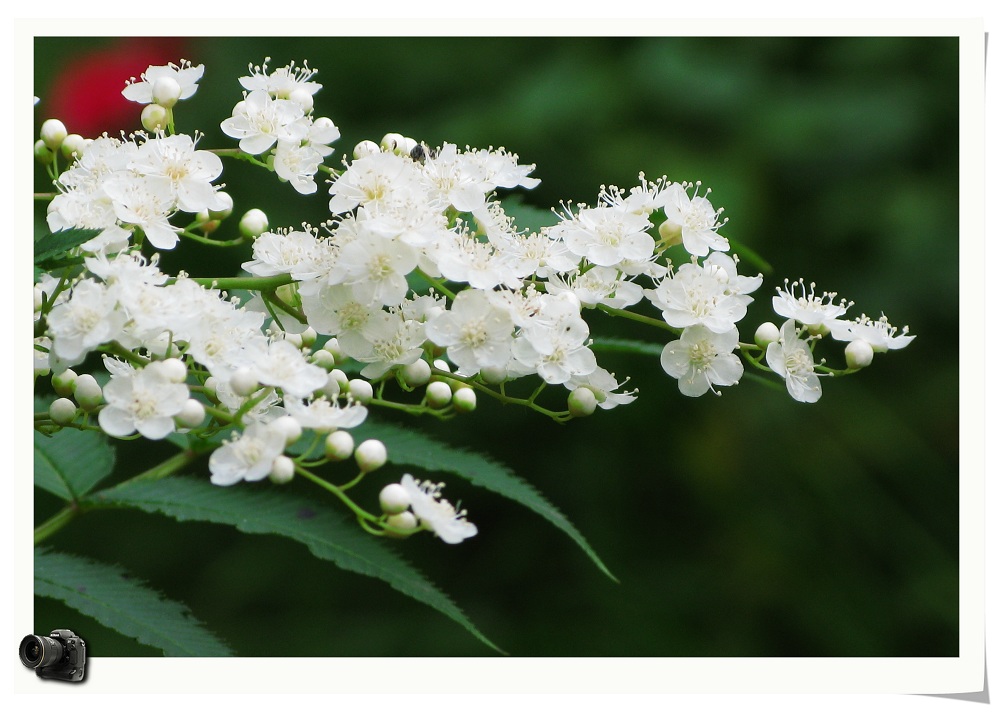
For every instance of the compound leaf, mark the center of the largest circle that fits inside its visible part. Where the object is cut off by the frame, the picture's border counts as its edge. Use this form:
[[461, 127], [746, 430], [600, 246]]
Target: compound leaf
[[57, 243], [69, 463], [109, 595], [328, 536], [407, 447]]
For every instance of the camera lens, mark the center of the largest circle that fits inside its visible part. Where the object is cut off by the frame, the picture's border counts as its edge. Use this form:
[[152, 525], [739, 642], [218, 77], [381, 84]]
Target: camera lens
[[38, 651]]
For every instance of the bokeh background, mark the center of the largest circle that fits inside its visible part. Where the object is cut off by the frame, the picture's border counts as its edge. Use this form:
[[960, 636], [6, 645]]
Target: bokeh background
[[746, 525]]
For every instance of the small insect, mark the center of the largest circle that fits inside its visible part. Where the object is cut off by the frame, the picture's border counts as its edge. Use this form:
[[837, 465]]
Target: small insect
[[420, 152]]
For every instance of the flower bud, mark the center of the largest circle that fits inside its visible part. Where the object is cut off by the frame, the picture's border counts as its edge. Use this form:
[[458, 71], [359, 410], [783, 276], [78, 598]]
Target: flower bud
[[406, 521], [282, 470], [441, 365], [166, 91], [243, 381], [582, 402], [253, 223], [154, 118], [417, 373], [464, 399], [42, 153], [438, 394], [494, 375], [339, 445], [53, 133], [87, 392], [859, 353], [370, 455], [333, 346], [393, 142], [302, 98], [366, 148], [192, 414], [63, 382], [73, 145], [173, 369], [360, 390], [341, 379], [766, 333], [211, 384], [62, 411], [308, 336], [332, 388], [324, 359], [289, 427], [294, 339], [394, 499]]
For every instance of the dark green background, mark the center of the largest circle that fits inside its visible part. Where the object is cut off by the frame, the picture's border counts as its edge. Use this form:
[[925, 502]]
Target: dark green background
[[746, 525]]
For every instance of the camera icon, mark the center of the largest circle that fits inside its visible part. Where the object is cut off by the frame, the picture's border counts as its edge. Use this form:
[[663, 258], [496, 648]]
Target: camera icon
[[60, 655]]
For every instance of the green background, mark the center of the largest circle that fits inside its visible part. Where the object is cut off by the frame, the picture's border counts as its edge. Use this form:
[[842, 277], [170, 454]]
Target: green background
[[746, 525]]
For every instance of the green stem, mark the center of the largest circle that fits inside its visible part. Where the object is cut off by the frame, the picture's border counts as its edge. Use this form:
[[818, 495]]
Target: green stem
[[360, 513], [649, 321], [437, 284], [54, 523], [212, 243], [250, 283]]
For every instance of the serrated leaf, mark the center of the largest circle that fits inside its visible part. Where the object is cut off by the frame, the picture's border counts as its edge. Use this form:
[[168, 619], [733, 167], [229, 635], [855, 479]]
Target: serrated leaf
[[69, 463], [411, 448], [56, 243], [628, 346], [328, 536], [109, 595]]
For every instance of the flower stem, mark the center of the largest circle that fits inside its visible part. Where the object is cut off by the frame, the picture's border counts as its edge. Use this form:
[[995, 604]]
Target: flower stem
[[649, 321]]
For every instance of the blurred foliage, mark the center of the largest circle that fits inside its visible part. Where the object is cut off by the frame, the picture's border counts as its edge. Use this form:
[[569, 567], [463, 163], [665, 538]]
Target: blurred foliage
[[747, 525]]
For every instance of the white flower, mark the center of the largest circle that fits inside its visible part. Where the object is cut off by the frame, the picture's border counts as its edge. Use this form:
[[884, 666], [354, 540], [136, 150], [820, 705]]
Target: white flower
[[697, 219], [606, 235], [695, 295], [598, 285], [436, 513], [146, 202], [604, 385], [324, 415], [281, 82], [880, 334], [701, 359], [791, 359], [260, 121], [386, 340], [477, 333], [249, 456], [298, 165], [189, 171], [376, 180], [89, 318], [284, 366], [185, 75], [793, 302], [145, 400]]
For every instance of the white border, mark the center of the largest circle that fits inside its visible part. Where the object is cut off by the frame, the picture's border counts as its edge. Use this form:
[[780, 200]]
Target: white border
[[584, 675]]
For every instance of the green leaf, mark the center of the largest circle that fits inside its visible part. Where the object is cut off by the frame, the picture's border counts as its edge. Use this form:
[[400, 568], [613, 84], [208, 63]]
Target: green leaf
[[57, 243], [407, 447], [110, 595], [255, 511], [628, 346], [69, 463]]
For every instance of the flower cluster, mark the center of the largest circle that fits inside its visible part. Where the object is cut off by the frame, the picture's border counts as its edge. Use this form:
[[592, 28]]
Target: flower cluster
[[419, 276]]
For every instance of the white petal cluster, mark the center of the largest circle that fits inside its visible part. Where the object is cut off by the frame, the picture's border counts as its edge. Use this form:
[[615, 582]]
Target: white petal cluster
[[436, 513], [179, 81]]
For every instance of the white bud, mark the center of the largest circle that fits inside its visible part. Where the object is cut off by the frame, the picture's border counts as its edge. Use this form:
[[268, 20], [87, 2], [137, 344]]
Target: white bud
[[394, 499], [39, 297], [63, 382], [173, 369], [670, 233], [308, 336], [44, 156], [341, 378], [859, 353], [302, 98], [464, 399], [282, 470], [62, 411], [154, 117], [166, 91], [294, 339], [360, 390], [253, 223], [441, 365], [53, 133], [211, 385], [393, 142], [339, 445], [289, 427], [370, 455], [366, 148], [192, 414], [243, 381], [324, 359], [406, 521], [493, 375], [766, 333], [417, 373], [333, 346], [582, 402], [73, 145], [87, 392], [438, 394]]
